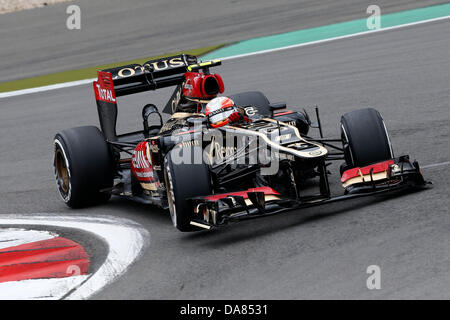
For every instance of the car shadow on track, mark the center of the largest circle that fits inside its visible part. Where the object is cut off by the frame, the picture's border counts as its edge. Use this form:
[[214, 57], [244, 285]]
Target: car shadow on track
[[245, 230], [252, 229]]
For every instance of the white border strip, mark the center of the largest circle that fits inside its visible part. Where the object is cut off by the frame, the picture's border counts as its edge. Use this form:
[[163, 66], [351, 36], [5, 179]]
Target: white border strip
[[45, 88], [13, 237], [40, 289], [87, 81]]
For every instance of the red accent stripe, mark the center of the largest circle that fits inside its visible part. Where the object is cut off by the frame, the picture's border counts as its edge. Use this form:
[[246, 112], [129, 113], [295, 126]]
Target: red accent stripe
[[356, 172], [266, 190], [53, 258], [282, 113], [185, 132]]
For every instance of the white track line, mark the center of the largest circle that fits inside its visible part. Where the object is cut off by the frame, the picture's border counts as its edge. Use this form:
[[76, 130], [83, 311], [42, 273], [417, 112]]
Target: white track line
[[45, 88], [435, 165], [126, 242], [87, 81], [335, 38]]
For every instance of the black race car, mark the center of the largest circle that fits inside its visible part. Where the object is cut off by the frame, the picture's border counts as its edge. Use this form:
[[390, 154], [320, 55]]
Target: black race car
[[260, 164]]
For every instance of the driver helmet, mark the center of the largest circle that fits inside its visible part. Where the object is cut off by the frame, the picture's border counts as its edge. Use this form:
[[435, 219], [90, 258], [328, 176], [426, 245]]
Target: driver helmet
[[218, 111]]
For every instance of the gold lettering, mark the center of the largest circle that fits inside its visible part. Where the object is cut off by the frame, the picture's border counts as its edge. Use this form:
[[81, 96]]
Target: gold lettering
[[156, 66], [122, 75], [176, 62], [139, 68]]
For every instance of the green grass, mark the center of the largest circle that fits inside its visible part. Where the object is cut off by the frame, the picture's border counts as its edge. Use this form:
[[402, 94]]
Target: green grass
[[87, 73]]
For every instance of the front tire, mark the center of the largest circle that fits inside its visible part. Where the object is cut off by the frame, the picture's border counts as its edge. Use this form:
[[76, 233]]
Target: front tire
[[83, 166], [365, 138], [183, 181]]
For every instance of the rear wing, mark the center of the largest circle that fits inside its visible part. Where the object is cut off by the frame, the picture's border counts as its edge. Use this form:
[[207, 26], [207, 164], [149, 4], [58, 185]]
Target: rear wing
[[153, 74], [135, 78]]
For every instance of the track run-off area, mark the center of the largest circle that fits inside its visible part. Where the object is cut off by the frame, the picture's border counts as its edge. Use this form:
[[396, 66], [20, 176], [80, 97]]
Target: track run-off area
[[294, 39]]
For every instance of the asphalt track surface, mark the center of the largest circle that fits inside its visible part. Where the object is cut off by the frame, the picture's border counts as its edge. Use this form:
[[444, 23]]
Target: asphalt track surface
[[37, 42], [320, 252]]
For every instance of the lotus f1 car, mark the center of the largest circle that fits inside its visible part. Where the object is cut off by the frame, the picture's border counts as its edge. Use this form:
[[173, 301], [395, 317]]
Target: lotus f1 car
[[262, 163]]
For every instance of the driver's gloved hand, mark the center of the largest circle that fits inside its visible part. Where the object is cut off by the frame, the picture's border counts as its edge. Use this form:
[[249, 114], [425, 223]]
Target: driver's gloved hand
[[234, 117], [237, 117]]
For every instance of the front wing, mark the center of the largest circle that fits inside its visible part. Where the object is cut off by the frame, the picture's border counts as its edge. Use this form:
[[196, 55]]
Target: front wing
[[220, 209]]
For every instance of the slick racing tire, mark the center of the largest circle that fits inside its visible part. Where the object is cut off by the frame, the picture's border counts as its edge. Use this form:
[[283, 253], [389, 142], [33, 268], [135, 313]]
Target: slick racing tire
[[183, 181], [253, 102], [83, 166], [365, 138]]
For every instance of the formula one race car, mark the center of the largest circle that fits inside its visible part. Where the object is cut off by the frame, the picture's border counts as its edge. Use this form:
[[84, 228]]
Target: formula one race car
[[219, 159]]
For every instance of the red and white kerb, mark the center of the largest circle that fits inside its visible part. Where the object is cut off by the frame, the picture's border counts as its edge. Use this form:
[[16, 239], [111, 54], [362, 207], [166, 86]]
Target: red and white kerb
[[40, 255]]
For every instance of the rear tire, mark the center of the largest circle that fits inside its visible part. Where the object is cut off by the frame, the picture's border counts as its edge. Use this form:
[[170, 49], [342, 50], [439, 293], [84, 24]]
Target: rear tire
[[365, 138], [83, 166], [183, 181]]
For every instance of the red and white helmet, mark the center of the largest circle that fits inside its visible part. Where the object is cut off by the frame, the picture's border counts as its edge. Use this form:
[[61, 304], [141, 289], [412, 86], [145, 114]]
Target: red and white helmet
[[218, 110]]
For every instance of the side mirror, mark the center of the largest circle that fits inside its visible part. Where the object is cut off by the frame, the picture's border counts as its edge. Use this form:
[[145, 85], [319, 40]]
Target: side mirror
[[278, 106]]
